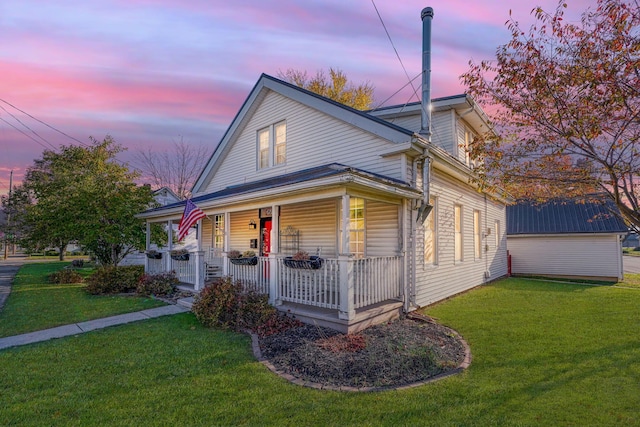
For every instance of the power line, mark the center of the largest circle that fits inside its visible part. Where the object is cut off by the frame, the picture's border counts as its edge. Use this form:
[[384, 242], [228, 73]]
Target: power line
[[44, 123], [415, 92], [32, 131], [26, 134]]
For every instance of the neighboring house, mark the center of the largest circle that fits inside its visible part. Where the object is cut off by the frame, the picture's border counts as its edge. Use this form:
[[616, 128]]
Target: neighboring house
[[631, 240], [566, 238], [392, 214]]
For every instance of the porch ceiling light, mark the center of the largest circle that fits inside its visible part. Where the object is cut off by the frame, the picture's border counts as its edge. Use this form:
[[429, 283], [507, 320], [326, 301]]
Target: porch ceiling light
[[252, 225]]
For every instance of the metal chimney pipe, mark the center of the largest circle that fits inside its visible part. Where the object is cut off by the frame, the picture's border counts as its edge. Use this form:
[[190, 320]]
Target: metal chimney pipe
[[425, 123]]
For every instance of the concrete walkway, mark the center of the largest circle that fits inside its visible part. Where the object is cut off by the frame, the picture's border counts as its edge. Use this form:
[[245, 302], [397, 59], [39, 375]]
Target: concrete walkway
[[8, 270], [91, 325]]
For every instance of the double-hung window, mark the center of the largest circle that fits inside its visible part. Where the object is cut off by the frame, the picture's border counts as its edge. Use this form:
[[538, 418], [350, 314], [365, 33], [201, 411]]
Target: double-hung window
[[458, 237], [272, 145], [356, 226], [477, 235], [430, 241]]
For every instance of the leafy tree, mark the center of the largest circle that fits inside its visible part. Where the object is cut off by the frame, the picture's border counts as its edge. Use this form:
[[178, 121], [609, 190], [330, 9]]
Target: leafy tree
[[82, 194], [176, 169], [336, 86], [565, 99]]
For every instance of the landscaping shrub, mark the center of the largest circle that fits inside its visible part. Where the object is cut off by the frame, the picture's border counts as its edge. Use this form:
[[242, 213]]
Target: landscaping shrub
[[65, 276], [115, 280], [217, 304], [162, 284], [228, 305], [77, 263]]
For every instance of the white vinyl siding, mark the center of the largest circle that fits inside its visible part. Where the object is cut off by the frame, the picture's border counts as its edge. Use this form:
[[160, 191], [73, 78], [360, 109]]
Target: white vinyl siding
[[317, 223], [592, 255], [447, 278], [313, 138], [382, 225]]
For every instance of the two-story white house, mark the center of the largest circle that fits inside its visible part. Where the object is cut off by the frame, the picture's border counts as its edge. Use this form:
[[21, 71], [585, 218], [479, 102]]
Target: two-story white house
[[389, 209]]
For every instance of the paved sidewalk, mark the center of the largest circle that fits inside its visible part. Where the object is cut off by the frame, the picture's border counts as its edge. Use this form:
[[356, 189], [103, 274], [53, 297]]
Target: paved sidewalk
[[91, 325], [8, 270]]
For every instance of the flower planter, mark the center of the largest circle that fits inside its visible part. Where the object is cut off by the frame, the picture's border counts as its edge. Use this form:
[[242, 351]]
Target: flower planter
[[181, 257], [154, 255], [244, 261], [313, 263]]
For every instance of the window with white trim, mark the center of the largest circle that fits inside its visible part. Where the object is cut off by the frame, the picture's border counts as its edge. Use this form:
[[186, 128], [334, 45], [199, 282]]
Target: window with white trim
[[218, 232], [356, 226], [477, 234], [430, 236], [272, 145], [458, 237]]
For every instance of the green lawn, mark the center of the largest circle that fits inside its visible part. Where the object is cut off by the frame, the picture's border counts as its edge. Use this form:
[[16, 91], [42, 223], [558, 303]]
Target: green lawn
[[543, 354], [35, 304], [631, 280]]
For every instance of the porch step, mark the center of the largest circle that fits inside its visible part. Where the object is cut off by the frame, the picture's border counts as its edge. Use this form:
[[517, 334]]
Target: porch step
[[185, 302]]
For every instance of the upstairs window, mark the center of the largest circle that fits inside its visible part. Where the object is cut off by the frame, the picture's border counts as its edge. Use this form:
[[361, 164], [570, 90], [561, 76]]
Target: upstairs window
[[272, 145]]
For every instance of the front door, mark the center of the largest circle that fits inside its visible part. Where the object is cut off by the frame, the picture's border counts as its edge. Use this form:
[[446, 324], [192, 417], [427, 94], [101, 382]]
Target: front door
[[265, 227]]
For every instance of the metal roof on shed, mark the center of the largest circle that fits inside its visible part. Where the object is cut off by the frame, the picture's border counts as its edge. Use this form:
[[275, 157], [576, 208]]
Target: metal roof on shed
[[564, 217]]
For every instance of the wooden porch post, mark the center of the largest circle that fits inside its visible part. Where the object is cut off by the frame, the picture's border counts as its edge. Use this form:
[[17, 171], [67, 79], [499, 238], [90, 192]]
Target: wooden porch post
[[347, 310], [169, 244], [147, 245], [199, 258], [225, 249], [273, 255]]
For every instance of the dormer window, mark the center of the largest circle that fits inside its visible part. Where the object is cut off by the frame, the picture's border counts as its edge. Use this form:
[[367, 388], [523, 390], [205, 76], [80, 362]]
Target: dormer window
[[272, 145]]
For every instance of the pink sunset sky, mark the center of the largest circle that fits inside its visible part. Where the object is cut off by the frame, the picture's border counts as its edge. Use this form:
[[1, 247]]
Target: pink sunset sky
[[151, 72]]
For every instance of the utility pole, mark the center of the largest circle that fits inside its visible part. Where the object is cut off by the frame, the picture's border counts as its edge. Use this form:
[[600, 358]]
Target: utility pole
[[6, 243]]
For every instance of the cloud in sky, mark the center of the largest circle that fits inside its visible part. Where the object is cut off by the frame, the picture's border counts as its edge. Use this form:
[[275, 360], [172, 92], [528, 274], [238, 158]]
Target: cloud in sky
[[149, 72]]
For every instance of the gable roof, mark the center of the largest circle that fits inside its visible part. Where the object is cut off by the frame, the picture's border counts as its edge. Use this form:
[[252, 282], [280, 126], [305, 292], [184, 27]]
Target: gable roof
[[316, 173], [564, 216], [360, 119]]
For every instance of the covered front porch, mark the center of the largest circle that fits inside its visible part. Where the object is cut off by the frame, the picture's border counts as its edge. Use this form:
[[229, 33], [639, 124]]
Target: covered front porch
[[345, 293], [357, 224]]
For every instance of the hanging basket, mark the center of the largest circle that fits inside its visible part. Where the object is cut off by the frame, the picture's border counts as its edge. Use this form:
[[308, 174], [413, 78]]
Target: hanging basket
[[181, 257], [154, 255], [313, 263], [244, 260]]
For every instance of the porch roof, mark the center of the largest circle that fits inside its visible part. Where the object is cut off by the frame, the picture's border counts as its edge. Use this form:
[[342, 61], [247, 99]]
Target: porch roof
[[335, 170]]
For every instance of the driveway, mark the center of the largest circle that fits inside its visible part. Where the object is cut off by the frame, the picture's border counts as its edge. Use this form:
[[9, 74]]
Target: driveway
[[8, 270], [631, 264]]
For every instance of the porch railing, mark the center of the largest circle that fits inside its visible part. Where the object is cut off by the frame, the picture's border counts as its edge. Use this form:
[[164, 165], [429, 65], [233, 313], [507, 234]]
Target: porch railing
[[376, 279], [254, 277], [372, 280], [319, 288]]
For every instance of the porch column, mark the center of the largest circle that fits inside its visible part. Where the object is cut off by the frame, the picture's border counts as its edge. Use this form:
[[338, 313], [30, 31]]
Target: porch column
[[273, 255], [169, 245], [147, 245], [347, 310], [199, 279], [199, 261], [227, 233]]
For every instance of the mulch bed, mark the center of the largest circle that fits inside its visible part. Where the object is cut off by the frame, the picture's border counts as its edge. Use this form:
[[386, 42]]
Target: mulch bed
[[392, 354]]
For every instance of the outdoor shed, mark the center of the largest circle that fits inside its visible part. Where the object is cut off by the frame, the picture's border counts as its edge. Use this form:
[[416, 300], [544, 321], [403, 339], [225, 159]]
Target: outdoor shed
[[566, 238]]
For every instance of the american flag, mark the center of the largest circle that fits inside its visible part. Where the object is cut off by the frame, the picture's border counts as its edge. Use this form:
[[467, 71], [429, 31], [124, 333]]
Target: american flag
[[190, 216]]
